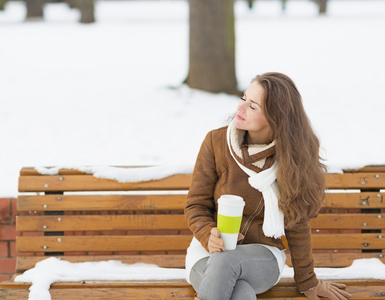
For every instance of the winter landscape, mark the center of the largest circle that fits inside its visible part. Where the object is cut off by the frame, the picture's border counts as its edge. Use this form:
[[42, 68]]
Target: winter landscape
[[111, 93]]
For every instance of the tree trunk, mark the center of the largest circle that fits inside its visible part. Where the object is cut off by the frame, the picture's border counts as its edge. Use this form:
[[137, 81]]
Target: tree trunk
[[212, 46], [283, 5], [35, 9], [322, 4], [71, 3], [2, 4], [250, 3], [322, 7], [87, 9]]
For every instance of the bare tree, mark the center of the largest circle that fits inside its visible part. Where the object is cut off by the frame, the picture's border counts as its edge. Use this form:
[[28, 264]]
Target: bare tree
[[2, 4], [322, 6], [250, 3], [87, 10], [212, 46], [35, 9]]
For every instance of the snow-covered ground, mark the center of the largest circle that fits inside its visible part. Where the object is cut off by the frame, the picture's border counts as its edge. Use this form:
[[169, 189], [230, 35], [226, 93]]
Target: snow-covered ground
[[110, 93]]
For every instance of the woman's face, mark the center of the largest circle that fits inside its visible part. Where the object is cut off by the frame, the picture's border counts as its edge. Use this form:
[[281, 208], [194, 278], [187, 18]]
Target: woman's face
[[251, 115]]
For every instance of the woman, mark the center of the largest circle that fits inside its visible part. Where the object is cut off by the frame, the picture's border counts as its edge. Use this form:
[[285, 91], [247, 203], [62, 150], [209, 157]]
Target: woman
[[270, 137]]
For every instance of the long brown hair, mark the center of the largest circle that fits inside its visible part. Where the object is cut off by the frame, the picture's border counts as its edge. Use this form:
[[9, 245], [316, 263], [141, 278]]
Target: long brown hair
[[300, 172]]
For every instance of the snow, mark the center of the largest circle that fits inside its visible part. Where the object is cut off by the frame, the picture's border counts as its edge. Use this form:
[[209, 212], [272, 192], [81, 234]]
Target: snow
[[53, 270], [110, 93], [367, 268], [125, 175]]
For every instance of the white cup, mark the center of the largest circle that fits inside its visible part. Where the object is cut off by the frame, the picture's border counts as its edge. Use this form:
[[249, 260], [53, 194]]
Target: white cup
[[230, 211]]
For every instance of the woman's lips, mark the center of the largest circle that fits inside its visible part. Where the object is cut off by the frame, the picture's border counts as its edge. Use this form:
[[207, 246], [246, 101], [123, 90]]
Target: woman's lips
[[240, 118]]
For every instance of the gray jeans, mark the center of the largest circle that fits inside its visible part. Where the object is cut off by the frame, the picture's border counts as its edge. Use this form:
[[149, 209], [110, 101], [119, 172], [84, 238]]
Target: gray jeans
[[238, 274]]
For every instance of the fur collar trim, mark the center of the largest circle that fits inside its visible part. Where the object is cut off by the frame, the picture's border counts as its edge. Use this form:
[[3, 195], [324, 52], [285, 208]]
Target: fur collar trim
[[237, 138]]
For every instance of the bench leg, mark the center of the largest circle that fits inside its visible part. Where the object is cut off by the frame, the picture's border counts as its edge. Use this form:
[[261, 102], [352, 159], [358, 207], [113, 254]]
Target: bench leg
[[35, 10]]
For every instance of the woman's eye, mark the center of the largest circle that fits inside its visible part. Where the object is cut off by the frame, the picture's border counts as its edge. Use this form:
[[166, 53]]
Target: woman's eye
[[254, 106]]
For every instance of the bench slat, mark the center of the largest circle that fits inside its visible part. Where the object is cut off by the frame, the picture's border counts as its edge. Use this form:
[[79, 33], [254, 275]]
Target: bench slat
[[167, 202], [91, 183], [31, 171], [356, 180], [175, 182], [103, 222], [173, 242], [338, 260], [171, 222], [174, 290], [348, 221], [321, 260], [354, 200], [366, 169], [28, 171], [102, 243], [88, 291], [340, 241], [100, 203], [363, 291]]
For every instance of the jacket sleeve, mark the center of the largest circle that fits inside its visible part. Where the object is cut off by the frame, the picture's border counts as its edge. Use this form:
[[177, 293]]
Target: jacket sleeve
[[200, 206], [299, 240]]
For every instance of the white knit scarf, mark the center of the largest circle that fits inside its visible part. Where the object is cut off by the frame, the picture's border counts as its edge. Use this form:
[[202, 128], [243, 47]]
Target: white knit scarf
[[265, 182]]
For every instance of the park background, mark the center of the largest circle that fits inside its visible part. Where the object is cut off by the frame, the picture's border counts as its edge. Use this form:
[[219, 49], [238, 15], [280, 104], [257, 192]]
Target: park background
[[111, 92]]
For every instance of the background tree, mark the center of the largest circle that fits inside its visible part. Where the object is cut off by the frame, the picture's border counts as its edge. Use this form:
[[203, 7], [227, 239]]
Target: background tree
[[250, 3], [87, 10], [322, 6], [35, 9], [212, 46], [2, 4], [321, 3]]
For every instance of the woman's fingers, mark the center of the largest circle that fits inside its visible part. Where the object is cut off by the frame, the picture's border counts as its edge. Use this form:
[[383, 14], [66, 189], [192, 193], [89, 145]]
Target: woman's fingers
[[215, 232], [338, 292], [338, 285], [216, 243]]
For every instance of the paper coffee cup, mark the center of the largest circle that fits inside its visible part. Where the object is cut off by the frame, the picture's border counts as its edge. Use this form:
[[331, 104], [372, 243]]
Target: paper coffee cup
[[230, 211]]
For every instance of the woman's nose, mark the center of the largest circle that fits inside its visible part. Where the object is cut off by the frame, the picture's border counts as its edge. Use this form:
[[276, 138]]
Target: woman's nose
[[241, 105]]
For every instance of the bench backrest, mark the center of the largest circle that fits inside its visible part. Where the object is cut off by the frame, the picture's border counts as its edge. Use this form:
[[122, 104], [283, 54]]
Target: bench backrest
[[84, 218]]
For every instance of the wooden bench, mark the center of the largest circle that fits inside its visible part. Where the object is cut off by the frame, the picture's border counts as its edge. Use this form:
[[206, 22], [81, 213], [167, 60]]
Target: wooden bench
[[81, 218]]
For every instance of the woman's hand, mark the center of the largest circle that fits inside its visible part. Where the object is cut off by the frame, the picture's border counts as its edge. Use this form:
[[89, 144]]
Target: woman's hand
[[328, 289], [216, 243]]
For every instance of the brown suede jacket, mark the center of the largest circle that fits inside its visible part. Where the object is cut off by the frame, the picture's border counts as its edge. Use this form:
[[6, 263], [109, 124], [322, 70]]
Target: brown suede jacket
[[216, 173]]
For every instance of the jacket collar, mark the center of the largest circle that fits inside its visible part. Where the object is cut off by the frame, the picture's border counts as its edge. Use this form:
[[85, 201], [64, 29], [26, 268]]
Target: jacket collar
[[252, 156]]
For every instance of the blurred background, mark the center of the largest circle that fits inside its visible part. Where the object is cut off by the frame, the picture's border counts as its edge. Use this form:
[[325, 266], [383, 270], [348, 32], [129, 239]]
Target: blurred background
[[108, 82]]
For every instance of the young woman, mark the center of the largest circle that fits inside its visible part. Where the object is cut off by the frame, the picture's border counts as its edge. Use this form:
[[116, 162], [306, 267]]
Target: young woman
[[269, 155]]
